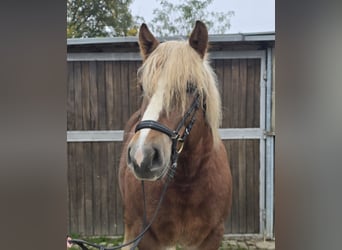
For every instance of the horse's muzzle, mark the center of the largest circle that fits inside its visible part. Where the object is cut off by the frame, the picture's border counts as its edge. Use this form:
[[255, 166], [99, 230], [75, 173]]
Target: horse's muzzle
[[147, 162]]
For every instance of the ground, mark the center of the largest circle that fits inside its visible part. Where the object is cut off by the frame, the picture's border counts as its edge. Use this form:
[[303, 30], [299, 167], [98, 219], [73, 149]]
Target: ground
[[229, 243]]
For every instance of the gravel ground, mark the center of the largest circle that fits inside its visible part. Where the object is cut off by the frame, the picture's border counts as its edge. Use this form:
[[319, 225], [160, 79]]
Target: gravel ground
[[247, 243], [241, 243]]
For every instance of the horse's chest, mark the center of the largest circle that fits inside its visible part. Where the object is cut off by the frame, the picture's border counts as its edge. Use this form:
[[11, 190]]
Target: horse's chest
[[187, 216]]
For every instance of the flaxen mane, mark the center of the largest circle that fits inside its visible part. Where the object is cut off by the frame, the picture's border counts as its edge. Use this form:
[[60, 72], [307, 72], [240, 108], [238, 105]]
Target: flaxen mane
[[173, 64]]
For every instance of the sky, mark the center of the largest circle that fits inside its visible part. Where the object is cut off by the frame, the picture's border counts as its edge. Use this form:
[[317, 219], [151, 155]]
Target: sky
[[250, 15]]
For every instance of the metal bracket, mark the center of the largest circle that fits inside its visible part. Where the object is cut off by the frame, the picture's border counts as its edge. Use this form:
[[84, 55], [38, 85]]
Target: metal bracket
[[268, 133]]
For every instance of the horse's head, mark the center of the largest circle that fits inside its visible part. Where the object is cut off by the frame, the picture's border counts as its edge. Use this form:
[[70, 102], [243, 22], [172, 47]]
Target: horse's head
[[178, 87]]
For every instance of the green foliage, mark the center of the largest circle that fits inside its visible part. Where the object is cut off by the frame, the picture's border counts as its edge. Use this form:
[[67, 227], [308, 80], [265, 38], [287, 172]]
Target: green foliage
[[179, 19], [89, 18], [102, 240]]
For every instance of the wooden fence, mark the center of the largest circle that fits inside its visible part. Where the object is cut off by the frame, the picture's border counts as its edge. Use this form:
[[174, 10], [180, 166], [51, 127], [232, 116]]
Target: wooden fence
[[102, 94]]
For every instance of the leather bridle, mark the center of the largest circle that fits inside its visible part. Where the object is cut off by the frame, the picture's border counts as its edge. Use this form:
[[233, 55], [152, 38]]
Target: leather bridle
[[177, 139]]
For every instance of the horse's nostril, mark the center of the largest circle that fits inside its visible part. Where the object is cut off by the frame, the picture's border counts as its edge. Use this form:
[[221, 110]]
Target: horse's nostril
[[156, 158], [129, 159]]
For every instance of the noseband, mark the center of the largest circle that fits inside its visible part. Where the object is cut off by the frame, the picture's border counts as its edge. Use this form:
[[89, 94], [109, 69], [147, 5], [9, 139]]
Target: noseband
[[176, 138]]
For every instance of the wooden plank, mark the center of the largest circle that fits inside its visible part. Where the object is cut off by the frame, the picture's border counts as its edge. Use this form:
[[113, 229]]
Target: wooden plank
[[139, 96], [70, 98], [72, 190], [117, 122], [97, 189], [109, 94], [228, 222], [101, 101], [226, 93], [236, 183], [250, 187], [132, 74], [80, 213], [257, 88], [250, 93], [93, 96], [119, 204], [242, 186], [124, 93], [104, 195], [85, 95], [219, 70], [235, 93], [242, 93], [88, 188], [112, 181], [256, 156], [78, 96]]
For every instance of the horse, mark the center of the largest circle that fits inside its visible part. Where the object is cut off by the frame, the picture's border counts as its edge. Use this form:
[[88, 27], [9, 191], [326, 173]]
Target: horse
[[173, 138]]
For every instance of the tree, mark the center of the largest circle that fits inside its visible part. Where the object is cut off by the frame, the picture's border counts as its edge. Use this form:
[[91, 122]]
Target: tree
[[89, 18], [178, 19]]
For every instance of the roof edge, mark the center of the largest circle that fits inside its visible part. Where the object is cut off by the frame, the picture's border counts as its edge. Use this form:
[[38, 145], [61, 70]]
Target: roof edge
[[259, 36]]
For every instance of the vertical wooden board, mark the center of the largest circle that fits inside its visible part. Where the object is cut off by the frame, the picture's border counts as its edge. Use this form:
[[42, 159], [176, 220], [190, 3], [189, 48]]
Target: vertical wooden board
[[235, 93], [219, 70], [70, 97], [124, 108], [96, 188], [88, 187], [119, 204], [256, 149], [85, 95], [236, 183], [250, 186], [78, 96], [104, 195], [101, 96], [80, 188], [242, 93], [72, 190], [117, 123], [138, 99], [242, 186], [112, 182], [93, 96], [250, 98], [132, 86], [109, 94], [226, 94], [253, 186], [228, 222], [257, 87]]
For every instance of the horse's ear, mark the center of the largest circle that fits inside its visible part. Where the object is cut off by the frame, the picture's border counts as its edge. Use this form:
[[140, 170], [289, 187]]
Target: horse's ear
[[199, 38], [147, 42]]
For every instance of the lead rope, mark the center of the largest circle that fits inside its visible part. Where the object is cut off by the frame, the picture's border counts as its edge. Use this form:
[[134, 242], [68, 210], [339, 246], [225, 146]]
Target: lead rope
[[174, 135], [144, 221], [82, 243]]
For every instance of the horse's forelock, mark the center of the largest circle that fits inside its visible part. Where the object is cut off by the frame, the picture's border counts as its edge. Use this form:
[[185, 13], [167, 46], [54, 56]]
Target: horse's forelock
[[171, 66]]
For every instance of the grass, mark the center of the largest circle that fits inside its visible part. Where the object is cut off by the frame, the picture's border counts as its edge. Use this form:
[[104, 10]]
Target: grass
[[100, 240]]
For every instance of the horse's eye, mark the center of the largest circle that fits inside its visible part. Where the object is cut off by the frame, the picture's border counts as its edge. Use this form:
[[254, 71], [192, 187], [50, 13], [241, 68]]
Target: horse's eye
[[190, 88]]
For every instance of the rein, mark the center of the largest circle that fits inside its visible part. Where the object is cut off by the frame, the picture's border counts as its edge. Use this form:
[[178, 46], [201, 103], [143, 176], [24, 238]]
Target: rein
[[177, 147]]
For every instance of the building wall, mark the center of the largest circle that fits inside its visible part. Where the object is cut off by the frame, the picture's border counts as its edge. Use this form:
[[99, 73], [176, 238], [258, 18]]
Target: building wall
[[103, 94]]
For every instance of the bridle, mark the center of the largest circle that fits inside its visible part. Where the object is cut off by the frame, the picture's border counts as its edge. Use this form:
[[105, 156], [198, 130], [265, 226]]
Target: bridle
[[177, 139], [176, 148]]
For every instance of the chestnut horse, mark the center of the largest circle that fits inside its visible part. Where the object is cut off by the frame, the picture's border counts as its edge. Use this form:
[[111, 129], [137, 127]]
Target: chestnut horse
[[176, 126]]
